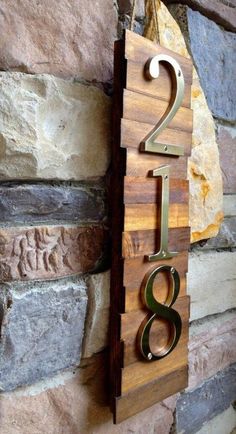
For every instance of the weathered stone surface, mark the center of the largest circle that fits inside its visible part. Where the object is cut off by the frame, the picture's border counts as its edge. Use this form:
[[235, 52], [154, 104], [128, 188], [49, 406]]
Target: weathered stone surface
[[205, 402], [49, 252], [52, 128], [40, 203], [226, 137], [211, 346], [223, 13], [126, 7], [223, 423], [41, 330], [97, 319], [230, 205], [212, 49], [59, 37], [204, 169], [226, 237], [211, 282], [77, 405]]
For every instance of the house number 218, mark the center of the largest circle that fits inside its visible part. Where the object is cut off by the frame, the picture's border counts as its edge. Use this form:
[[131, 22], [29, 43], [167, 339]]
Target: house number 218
[[151, 144]]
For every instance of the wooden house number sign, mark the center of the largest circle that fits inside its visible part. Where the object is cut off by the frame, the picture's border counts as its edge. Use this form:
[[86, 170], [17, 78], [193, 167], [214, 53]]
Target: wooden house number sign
[[150, 229]]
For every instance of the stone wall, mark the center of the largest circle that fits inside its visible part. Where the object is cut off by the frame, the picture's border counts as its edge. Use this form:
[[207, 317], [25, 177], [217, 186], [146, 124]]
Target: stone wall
[[55, 108]]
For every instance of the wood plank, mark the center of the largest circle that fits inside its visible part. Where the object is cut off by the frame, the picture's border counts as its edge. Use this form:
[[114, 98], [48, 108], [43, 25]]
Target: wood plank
[[142, 108], [132, 133], [132, 296], [131, 321], [158, 389], [135, 269], [139, 49], [140, 164], [145, 242], [143, 190], [160, 88], [141, 372], [147, 216]]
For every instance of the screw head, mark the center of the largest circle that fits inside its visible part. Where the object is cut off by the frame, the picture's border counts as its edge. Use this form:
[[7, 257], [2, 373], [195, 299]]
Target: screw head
[[163, 253], [165, 148], [149, 356], [172, 270], [166, 177]]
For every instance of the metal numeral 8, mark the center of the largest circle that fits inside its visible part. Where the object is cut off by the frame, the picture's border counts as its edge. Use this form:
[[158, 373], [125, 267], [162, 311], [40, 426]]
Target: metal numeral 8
[[160, 310]]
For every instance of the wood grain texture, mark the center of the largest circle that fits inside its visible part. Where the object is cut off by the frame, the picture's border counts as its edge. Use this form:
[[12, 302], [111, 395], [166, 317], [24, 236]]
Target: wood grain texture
[[143, 397], [160, 87], [147, 216], [141, 372], [141, 164], [138, 49], [132, 133], [143, 190], [142, 108], [130, 323], [146, 242]]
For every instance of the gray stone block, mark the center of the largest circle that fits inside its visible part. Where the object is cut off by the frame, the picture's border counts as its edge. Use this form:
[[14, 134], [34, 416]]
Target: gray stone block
[[41, 330], [205, 402], [226, 237], [40, 203], [213, 52]]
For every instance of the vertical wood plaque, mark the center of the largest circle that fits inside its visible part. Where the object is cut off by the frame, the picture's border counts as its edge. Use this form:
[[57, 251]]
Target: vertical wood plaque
[[150, 225]]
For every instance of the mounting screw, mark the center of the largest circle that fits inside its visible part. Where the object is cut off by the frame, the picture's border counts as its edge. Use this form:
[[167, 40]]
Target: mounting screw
[[166, 177], [165, 148], [172, 270], [163, 253], [149, 356]]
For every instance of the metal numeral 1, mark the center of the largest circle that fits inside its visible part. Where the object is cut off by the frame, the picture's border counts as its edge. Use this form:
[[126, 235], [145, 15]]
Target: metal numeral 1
[[163, 252], [164, 311]]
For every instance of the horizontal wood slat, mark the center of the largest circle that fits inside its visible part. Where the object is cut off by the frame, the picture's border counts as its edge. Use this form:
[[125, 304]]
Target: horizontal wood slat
[[143, 190], [135, 269], [142, 108], [131, 321], [139, 50], [139, 373], [145, 242], [140, 164], [160, 87], [145, 396], [132, 134], [147, 216]]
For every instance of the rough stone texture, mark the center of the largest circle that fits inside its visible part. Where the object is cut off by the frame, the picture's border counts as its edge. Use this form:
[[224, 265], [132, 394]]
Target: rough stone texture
[[41, 330], [64, 38], [204, 169], [49, 252], [126, 6], [212, 49], [221, 11], [211, 282], [205, 402], [226, 137], [40, 203], [223, 423], [211, 346], [77, 405], [52, 128], [226, 237], [230, 205], [97, 319]]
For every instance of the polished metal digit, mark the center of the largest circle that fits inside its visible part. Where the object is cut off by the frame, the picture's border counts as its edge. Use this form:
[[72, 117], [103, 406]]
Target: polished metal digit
[[163, 252], [149, 144], [160, 310]]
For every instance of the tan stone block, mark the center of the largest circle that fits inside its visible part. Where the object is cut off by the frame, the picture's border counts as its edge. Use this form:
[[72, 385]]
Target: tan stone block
[[64, 38], [211, 282], [204, 170], [49, 252], [77, 404], [52, 128], [211, 346]]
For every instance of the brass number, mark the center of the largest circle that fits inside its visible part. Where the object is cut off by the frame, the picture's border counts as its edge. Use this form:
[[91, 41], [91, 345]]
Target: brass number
[[163, 252], [164, 311], [152, 72]]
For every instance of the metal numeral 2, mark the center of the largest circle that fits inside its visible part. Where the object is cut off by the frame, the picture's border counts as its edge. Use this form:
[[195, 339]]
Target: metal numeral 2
[[149, 144]]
